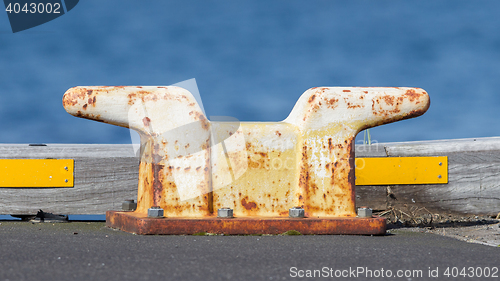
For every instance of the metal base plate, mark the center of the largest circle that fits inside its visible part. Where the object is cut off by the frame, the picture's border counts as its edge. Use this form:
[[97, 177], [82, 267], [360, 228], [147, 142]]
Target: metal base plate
[[140, 224]]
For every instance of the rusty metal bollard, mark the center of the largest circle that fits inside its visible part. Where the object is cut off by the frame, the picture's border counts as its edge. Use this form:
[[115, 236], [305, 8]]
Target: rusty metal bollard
[[191, 167]]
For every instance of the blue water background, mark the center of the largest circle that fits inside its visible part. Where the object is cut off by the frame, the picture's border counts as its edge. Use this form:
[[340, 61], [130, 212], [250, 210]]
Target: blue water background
[[253, 59]]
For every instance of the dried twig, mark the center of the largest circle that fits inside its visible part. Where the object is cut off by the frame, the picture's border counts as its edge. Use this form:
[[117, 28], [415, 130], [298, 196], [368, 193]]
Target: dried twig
[[384, 212]]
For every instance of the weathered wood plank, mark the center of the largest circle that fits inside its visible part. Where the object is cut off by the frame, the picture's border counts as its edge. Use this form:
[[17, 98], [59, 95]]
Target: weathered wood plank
[[371, 196], [428, 148], [8, 151], [373, 150], [105, 175], [474, 178]]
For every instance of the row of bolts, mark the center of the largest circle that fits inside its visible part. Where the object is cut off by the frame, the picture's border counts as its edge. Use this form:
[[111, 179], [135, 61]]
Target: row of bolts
[[295, 212]]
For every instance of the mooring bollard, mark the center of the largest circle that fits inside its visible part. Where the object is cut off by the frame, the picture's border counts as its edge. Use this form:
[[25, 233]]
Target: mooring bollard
[[191, 167]]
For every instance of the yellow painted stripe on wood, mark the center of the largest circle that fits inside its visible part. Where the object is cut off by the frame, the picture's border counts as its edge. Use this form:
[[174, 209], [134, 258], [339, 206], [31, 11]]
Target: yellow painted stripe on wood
[[401, 170], [36, 172]]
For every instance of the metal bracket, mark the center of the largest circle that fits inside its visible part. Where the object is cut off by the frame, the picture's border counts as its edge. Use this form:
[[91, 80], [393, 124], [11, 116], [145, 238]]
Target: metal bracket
[[47, 173], [402, 170]]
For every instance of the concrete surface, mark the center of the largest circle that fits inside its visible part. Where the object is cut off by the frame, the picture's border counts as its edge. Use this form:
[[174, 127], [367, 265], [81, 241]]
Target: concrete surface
[[487, 233], [90, 251]]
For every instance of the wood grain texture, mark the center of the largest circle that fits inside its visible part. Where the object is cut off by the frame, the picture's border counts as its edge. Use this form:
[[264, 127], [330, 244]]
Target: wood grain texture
[[106, 174], [474, 178]]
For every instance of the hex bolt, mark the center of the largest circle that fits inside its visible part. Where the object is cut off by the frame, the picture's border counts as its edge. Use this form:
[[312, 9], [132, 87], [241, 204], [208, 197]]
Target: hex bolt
[[439, 176], [155, 212], [364, 212], [129, 205], [66, 180], [296, 212], [66, 168], [440, 163], [225, 213]]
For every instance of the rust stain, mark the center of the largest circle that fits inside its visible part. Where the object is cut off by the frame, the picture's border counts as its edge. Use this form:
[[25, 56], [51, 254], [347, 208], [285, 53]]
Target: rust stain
[[131, 98], [205, 124], [412, 95], [346, 91], [157, 183], [311, 99], [91, 101], [304, 177], [332, 103], [146, 121], [248, 205], [351, 105], [75, 95], [135, 223], [415, 113], [388, 99]]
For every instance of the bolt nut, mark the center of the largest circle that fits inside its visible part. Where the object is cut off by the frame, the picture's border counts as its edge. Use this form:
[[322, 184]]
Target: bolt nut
[[364, 212], [129, 205], [296, 212], [155, 212], [225, 213]]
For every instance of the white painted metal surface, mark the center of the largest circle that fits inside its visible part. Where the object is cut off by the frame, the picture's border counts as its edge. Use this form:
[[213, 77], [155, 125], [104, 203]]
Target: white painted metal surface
[[191, 166]]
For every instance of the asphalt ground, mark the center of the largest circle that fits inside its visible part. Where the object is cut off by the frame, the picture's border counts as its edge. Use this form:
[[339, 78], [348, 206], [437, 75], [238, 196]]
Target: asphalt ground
[[91, 251]]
